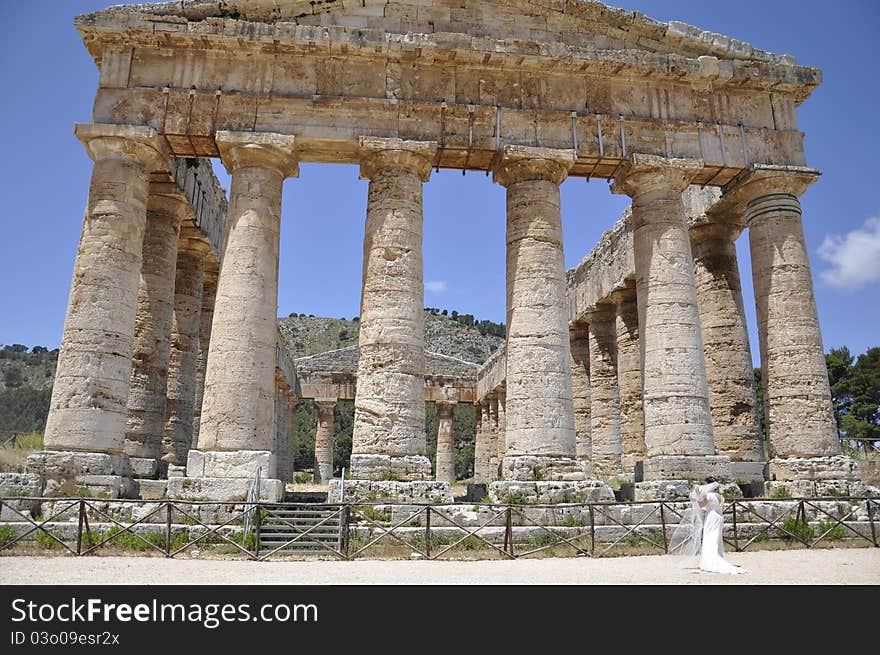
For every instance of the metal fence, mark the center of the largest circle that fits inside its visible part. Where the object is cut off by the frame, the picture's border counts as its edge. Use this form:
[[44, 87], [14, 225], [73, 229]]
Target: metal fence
[[424, 531]]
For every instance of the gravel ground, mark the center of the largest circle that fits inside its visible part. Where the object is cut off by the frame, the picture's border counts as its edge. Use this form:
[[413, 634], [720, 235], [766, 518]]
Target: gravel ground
[[844, 566]]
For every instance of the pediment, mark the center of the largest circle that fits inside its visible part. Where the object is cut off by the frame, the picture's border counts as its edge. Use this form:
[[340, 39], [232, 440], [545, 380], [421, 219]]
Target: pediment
[[577, 23]]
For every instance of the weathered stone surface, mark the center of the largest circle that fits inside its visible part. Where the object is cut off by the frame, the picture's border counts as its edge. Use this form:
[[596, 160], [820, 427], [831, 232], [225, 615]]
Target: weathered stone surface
[[676, 395], [151, 489], [206, 318], [604, 394], [389, 415], [445, 465], [223, 489], [629, 380], [20, 484], [482, 447], [181, 392], [148, 467], [151, 346], [230, 464], [580, 389], [677, 489], [832, 467], [537, 467], [63, 472], [550, 492], [689, 467], [241, 355], [540, 412], [90, 394], [726, 342], [390, 467], [324, 440], [417, 492]]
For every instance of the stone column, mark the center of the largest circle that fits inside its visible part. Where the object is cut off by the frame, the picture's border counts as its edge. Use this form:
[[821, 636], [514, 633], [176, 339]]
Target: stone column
[[604, 394], [445, 468], [678, 423], [206, 318], [540, 432], [285, 457], [151, 346], [481, 446], [494, 440], [238, 408], [726, 342], [181, 393], [580, 388], [501, 437], [389, 422], [629, 378], [324, 441], [283, 447], [89, 398], [804, 446]]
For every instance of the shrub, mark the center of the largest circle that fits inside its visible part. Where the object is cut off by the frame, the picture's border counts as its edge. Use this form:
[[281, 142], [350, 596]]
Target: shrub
[[801, 529], [7, 534], [835, 530], [303, 478], [46, 541]]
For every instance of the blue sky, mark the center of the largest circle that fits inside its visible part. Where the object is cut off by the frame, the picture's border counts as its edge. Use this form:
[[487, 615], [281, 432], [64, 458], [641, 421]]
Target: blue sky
[[50, 81]]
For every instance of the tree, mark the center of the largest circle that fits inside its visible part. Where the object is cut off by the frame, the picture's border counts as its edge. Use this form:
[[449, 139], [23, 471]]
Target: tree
[[12, 377], [861, 419], [839, 362]]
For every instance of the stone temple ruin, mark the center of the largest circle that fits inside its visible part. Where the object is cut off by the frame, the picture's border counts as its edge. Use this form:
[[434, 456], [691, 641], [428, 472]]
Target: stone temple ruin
[[637, 364]]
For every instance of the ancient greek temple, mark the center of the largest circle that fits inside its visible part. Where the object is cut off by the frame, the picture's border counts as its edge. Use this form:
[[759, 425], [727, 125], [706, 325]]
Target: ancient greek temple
[[637, 364]]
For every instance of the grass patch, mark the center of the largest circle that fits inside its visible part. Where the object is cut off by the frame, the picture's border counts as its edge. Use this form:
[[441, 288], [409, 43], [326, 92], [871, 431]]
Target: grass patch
[[7, 534], [45, 541]]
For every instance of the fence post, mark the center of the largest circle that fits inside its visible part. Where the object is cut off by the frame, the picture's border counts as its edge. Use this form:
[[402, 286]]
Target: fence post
[[802, 514], [508, 531], [428, 532], [346, 535], [592, 531], [735, 530], [871, 521], [258, 520], [79, 528], [167, 529], [663, 524]]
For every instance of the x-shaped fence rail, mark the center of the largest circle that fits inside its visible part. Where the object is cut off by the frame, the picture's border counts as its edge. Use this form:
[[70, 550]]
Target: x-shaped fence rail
[[176, 526]]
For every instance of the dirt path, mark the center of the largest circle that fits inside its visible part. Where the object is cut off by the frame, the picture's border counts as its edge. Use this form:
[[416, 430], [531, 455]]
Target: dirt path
[[844, 566]]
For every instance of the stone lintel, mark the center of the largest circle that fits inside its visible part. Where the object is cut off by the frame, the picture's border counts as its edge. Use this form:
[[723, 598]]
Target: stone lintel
[[550, 492], [258, 149], [230, 464], [142, 144], [760, 180], [525, 163], [686, 467], [379, 154], [639, 174]]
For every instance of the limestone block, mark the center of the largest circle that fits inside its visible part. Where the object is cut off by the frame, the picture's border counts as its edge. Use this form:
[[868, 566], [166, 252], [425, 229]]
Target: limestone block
[[176, 471], [605, 433], [662, 490], [837, 467], [230, 464], [64, 471], [550, 492], [223, 489], [20, 484], [151, 489], [388, 467], [748, 471], [532, 467], [696, 468], [417, 492], [148, 467]]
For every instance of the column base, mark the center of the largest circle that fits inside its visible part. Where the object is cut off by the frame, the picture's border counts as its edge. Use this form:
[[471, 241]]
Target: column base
[[148, 468], [225, 476], [748, 471], [678, 490], [230, 464], [72, 473], [223, 489], [549, 492], [695, 468], [391, 468], [418, 492], [536, 468], [834, 475]]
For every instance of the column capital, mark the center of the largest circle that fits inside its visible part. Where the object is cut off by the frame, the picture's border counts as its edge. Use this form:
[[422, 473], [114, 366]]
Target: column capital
[[526, 163], [640, 174], [709, 229], [624, 294], [379, 153], [578, 330], [258, 149], [601, 312], [326, 402], [759, 181], [445, 406], [192, 244], [141, 144]]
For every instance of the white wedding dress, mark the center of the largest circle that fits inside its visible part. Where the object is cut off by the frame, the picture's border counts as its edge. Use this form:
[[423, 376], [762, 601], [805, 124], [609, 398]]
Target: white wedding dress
[[700, 532]]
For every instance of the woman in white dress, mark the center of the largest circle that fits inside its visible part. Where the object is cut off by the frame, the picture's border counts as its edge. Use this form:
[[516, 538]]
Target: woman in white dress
[[701, 530]]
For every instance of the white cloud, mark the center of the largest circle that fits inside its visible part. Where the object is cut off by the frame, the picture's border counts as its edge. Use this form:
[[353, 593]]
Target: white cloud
[[437, 286], [854, 256]]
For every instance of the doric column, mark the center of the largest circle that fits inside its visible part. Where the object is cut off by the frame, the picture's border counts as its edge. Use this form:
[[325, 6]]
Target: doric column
[[540, 413], [604, 394], [445, 468], [726, 343], [90, 394], [389, 422], [629, 378], [324, 436], [285, 457], [501, 437], [151, 346], [580, 389], [797, 396], [481, 445], [495, 438], [678, 423], [206, 318], [181, 391], [239, 396]]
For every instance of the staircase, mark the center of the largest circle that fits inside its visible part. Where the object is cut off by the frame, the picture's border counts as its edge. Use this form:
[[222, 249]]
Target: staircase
[[281, 523]]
